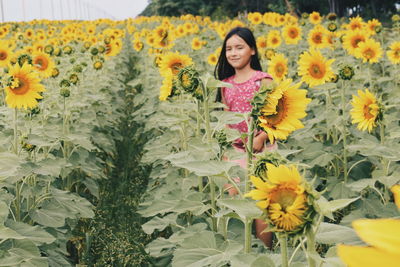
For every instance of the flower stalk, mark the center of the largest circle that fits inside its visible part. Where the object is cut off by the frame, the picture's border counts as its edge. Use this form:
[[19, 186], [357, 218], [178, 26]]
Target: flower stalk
[[344, 132], [284, 250]]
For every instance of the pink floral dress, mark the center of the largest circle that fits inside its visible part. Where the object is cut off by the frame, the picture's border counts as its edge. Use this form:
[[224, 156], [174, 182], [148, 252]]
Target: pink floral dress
[[238, 99]]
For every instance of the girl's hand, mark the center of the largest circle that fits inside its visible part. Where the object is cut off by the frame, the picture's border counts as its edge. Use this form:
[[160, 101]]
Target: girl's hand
[[258, 143]]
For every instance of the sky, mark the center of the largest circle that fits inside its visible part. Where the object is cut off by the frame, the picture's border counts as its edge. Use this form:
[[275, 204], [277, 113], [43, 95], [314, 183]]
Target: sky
[[25, 10]]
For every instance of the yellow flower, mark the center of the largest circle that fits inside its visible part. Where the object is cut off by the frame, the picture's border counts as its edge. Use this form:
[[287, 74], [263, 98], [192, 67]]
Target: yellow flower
[[282, 196], [372, 25], [355, 23], [317, 37], [315, 18], [383, 236], [113, 48], [43, 64], [314, 69], [285, 105], [212, 59], [261, 42], [278, 67], [369, 51], [396, 193], [137, 45], [255, 18], [197, 44], [5, 54], [352, 39], [365, 110], [274, 39], [166, 88], [394, 53], [24, 88], [291, 34], [174, 62]]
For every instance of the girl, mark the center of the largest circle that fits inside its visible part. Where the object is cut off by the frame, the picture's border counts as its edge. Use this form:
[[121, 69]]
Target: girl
[[239, 65]]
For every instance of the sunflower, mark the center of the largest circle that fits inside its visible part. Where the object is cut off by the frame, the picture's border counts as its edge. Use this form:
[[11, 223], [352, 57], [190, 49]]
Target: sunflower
[[394, 53], [137, 45], [24, 87], [315, 18], [43, 64], [255, 18], [5, 54], [274, 39], [278, 67], [283, 108], [166, 88], [174, 62], [369, 51], [261, 42], [197, 44], [351, 40], [372, 25], [365, 110], [291, 34], [212, 59], [113, 48], [282, 196], [314, 68], [317, 37], [355, 23]]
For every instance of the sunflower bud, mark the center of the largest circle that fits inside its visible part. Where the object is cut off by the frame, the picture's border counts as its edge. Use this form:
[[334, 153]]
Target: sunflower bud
[[67, 50], [346, 73], [334, 78], [48, 49], [107, 40], [94, 51], [73, 78], [78, 68], [222, 139], [269, 53], [305, 15], [188, 79], [396, 18], [378, 28], [102, 49], [332, 26], [331, 16], [87, 45], [65, 92], [97, 65], [24, 58], [55, 72], [57, 52], [64, 83]]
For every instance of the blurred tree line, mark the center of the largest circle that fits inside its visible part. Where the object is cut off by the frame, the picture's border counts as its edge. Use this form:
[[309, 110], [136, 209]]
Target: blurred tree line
[[219, 9]]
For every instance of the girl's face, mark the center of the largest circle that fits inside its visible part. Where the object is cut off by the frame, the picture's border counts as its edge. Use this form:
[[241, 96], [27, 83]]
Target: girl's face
[[238, 52]]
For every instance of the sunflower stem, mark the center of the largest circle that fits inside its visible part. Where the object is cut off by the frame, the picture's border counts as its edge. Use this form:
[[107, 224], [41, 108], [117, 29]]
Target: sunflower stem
[[247, 237], [311, 248], [284, 249], [344, 133], [385, 164], [209, 140], [15, 144], [249, 150]]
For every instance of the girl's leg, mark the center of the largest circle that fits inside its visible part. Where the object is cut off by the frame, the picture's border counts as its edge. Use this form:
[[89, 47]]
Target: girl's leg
[[265, 237]]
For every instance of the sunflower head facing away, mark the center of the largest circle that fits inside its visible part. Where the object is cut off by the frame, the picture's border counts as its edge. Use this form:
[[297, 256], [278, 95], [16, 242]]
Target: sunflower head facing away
[[366, 110], [314, 69], [24, 87], [284, 197]]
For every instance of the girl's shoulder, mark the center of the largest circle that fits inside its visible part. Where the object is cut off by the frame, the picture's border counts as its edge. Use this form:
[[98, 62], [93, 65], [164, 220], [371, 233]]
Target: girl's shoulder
[[261, 75]]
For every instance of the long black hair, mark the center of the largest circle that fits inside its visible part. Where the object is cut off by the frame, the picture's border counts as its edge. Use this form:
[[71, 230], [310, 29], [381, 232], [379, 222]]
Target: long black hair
[[223, 69]]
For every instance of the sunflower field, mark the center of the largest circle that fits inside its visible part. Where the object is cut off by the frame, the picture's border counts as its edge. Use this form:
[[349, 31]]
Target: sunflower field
[[113, 150]]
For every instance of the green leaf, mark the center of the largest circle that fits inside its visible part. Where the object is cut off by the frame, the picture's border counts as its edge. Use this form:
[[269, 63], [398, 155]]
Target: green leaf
[[243, 207], [7, 233], [327, 207], [158, 223], [9, 164], [3, 212], [34, 233], [210, 82], [202, 250], [207, 168], [48, 216], [331, 234]]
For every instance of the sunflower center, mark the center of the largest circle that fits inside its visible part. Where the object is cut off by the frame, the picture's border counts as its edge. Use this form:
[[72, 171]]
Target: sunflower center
[[317, 71], [20, 85], [317, 38], [397, 53], [41, 63], [275, 40], [369, 53], [367, 111], [3, 55], [175, 67], [356, 40], [279, 69], [293, 33], [284, 196], [279, 115]]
